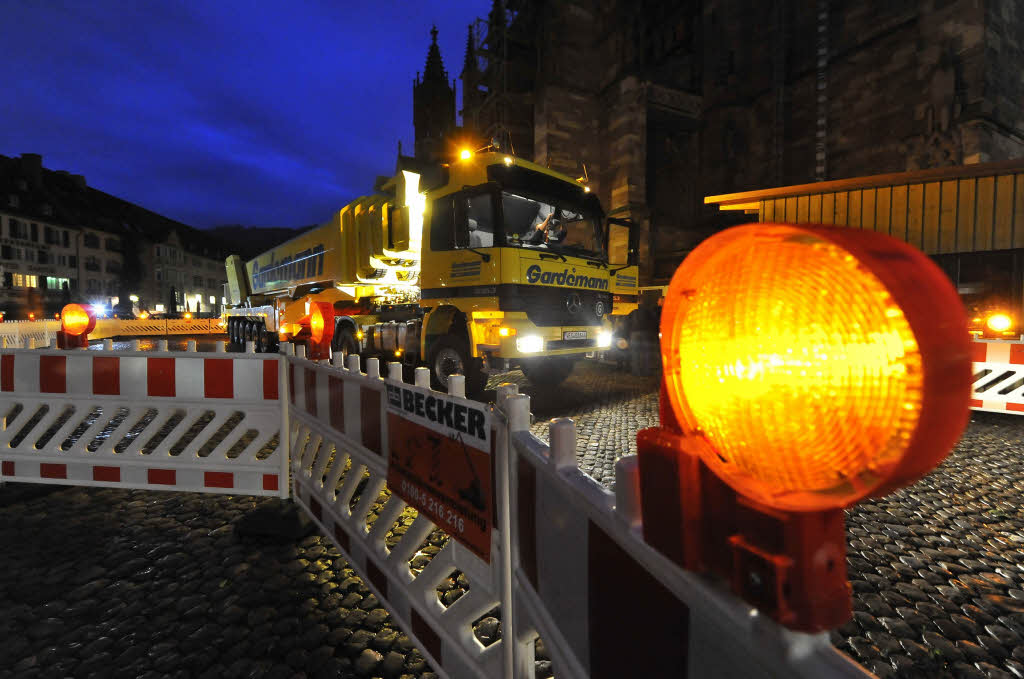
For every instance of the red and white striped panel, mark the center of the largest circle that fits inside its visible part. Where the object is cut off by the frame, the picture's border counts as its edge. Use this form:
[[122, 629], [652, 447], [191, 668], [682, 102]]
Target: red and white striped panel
[[78, 472], [999, 376], [585, 589], [187, 376], [402, 598], [348, 402]]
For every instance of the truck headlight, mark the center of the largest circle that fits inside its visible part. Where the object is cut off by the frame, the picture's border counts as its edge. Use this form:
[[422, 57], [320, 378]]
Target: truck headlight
[[530, 344], [604, 339], [999, 322]]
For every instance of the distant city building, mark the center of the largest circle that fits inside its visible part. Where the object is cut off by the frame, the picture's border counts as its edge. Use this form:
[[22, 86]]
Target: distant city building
[[63, 241], [661, 103]]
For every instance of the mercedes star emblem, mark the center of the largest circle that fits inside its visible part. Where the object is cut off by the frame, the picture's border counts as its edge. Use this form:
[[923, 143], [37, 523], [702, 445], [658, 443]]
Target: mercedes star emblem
[[573, 303]]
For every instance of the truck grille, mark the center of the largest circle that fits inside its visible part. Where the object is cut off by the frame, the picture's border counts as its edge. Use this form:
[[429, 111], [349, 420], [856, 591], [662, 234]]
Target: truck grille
[[549, 306]]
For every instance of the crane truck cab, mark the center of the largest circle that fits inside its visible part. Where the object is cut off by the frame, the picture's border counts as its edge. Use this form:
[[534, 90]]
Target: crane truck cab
[[477, 266]]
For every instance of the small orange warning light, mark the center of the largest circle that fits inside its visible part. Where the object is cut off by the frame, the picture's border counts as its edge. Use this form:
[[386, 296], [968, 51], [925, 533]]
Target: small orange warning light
[[75, 320], [316, 324]]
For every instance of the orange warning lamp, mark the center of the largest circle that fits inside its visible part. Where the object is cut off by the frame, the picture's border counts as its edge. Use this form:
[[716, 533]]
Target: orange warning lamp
[[321, 329], [811, 360], [805, 368], [75, 325]]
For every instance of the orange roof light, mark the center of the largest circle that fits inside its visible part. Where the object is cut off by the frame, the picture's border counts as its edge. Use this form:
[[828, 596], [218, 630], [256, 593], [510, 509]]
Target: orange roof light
[[76, 320], [465, 154], [817, 365]]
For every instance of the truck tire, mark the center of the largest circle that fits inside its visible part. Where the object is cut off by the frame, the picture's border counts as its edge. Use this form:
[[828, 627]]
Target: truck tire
[[450, 356], [547, 372], [344, 342]]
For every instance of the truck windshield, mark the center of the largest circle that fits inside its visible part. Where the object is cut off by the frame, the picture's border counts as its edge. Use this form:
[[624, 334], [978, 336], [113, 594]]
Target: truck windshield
[[548, 224]]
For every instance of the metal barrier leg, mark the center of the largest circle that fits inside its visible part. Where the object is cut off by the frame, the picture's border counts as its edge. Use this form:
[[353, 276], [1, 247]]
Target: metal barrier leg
[[284, 440]]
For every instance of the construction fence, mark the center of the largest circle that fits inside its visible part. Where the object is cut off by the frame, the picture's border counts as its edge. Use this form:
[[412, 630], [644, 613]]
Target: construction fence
[[31, 334], [385, 469]]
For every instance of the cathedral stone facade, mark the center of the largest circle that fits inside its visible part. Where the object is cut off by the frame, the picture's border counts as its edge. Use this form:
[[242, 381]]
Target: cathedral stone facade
[[661, 103]]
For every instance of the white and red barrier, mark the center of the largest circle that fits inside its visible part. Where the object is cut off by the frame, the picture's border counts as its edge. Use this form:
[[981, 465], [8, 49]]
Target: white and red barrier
[[998, 376], [380, 465], [159, 420], [608, 605], [344, 437], [31, 334]]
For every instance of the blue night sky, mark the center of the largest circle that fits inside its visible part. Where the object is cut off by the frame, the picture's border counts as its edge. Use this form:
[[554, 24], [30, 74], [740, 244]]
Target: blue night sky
[[224, 111]]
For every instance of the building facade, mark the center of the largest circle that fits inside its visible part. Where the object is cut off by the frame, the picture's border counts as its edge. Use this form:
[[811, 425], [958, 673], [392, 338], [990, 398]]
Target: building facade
[[183, 272], [38, 263], [62, 241], [661, 103]]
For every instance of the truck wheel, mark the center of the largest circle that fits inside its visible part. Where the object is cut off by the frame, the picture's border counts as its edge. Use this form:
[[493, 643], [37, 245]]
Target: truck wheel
[[450, 356], [344, 343], [547, 372]]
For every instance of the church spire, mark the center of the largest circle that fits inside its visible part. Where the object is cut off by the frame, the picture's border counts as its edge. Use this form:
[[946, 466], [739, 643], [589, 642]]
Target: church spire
[[434, 70], [469, 64], [433, 106]]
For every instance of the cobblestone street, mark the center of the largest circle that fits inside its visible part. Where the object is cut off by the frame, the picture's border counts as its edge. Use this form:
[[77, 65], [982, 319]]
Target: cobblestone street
[[112, 583]]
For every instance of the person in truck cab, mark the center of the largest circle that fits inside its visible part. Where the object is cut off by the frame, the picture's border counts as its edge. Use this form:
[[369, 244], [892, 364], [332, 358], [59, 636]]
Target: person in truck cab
[[549, 229]]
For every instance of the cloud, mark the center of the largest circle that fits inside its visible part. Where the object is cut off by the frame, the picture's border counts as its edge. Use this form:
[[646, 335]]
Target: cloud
[[250, 112]]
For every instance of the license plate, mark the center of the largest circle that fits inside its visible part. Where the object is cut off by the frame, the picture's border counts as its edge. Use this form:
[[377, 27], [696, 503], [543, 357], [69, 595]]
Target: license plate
[[574, 334]]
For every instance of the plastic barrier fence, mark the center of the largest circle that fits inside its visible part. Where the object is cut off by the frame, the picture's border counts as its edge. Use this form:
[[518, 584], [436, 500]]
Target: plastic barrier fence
[[157, 420], [576, 545], [998, 376], [418, 489], [31, 334], [348, 439]]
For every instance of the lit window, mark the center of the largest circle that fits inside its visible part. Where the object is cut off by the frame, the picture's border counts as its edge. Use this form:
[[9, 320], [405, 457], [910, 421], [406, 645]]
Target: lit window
[[213, 299], [159, 308]]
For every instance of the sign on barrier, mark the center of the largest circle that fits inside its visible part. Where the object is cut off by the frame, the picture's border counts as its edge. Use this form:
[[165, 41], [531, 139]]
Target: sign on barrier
[[441, 462]]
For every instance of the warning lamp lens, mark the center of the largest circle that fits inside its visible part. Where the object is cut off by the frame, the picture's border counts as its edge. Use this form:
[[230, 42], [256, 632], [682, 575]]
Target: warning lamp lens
[[787, 353], [505, 331], [188, 316], [999, 322], [465, 154], [316, 324], [75, 319]]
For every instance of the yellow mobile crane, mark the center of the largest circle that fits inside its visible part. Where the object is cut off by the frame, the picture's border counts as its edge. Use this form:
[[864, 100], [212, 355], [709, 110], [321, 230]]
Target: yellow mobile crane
[[470, 267]]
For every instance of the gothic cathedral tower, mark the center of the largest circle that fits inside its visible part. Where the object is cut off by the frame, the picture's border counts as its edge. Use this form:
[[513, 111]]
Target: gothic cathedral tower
[[433, 107]]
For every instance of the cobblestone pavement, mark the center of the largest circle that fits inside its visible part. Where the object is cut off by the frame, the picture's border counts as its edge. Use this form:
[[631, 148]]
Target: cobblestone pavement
[[112, 583]]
